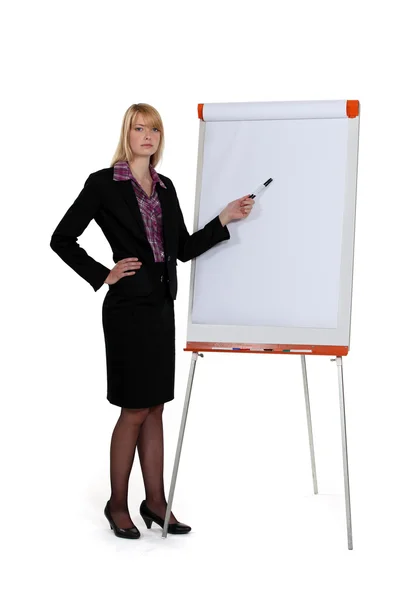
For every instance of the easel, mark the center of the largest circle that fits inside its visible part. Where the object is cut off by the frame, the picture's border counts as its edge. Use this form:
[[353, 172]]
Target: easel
[[339, 364], [332, 339]]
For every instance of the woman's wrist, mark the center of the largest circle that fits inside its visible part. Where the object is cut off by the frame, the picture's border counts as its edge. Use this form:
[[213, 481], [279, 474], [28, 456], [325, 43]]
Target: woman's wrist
[[223, 218]]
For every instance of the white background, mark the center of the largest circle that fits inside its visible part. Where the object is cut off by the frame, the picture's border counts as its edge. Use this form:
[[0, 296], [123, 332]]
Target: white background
[[244, 485]]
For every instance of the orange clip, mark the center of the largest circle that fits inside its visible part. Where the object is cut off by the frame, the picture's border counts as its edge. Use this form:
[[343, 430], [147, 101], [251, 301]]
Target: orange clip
[[352, 108]]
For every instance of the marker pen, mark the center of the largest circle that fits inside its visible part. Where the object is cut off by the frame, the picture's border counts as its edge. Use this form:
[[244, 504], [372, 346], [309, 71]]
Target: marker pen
[[261, 189], [220, 348]]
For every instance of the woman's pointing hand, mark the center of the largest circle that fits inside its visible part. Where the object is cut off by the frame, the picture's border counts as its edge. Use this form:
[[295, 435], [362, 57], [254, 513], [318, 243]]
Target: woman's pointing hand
[[237, 209]]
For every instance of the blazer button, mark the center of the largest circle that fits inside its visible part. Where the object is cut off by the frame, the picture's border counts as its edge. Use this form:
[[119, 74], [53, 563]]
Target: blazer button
[[162, 277], [169, 258]]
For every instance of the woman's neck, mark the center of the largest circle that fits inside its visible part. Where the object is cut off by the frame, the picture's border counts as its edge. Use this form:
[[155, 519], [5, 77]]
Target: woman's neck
[[140, 169]]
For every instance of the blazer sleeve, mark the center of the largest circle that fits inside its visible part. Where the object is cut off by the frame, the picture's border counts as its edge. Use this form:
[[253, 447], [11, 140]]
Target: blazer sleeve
[[190, 246], [74, 222]]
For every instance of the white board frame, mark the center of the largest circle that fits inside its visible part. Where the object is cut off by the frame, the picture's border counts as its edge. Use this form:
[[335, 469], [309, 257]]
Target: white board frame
[[339, 336]]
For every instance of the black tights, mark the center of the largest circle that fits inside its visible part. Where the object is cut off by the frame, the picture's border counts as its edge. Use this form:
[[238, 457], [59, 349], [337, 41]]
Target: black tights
[[142, 427]]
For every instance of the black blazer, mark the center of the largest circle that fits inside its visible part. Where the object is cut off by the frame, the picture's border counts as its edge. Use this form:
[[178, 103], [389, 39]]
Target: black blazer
[[114, 207]]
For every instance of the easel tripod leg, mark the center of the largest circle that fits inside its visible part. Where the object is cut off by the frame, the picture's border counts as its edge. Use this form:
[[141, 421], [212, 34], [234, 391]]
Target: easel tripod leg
[[309, 425], [344, 453], [180, 441]]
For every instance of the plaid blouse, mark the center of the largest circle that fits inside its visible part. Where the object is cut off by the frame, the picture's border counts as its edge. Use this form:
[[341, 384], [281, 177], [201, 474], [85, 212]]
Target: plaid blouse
[[149, 207]]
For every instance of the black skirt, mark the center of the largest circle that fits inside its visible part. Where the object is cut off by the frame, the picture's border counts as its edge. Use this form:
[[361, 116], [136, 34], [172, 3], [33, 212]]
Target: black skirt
[[139, 336]]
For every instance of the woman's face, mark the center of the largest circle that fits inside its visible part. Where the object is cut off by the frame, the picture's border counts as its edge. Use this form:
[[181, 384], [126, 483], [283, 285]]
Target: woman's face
[[141, 134]]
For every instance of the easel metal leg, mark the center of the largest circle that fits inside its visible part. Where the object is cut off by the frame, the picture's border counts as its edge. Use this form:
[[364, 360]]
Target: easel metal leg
[[309, 425], [344, 452], [180, 441]]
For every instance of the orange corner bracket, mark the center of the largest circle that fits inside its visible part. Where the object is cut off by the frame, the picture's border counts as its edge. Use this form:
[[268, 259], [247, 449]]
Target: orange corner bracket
[[352, 108], [200, 111]]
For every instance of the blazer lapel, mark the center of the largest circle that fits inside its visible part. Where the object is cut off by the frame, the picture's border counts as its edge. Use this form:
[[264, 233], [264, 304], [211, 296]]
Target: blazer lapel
[[133, 210], [164, 196]]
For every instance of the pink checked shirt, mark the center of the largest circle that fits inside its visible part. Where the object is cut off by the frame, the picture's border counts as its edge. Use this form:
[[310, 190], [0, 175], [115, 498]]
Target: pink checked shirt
[[149, 207]]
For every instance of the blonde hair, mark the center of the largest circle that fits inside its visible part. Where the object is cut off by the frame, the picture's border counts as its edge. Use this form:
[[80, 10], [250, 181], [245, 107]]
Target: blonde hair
[[123, 151]]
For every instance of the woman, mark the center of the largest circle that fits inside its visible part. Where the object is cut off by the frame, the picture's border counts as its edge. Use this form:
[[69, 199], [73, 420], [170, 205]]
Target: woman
[[139, 213]]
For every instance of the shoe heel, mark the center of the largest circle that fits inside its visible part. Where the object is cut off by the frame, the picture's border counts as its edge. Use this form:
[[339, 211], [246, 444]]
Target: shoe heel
[[148, 521]]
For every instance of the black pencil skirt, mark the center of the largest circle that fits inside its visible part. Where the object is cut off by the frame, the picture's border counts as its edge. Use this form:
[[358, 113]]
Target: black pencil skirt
[[139, 336]]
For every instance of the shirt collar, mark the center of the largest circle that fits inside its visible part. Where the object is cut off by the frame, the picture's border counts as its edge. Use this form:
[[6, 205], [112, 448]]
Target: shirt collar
[[122, 172]]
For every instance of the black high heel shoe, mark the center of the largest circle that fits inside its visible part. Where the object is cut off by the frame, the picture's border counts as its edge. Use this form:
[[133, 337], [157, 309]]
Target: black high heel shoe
[[131, 532], [149, 517]]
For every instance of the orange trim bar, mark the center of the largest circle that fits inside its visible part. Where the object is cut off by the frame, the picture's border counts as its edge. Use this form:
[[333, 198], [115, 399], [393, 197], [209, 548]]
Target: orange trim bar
[[352, 108], [266, 348], [200, 111]]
